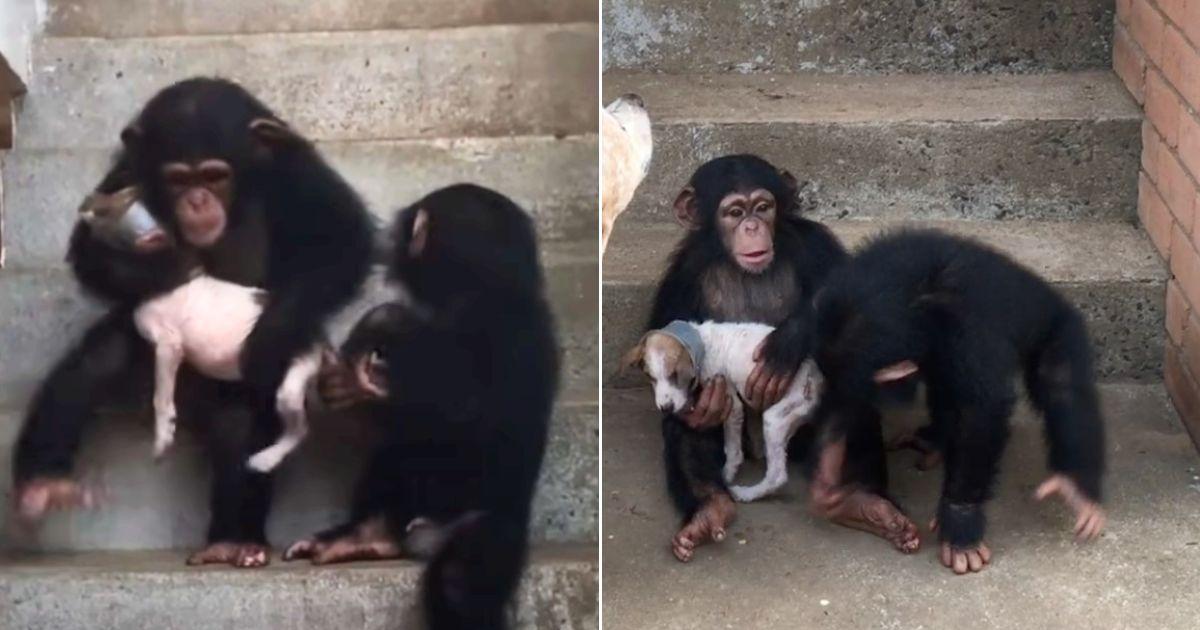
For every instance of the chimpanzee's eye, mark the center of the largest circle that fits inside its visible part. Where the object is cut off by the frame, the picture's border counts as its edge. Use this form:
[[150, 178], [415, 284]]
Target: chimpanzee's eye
[[736, 213]]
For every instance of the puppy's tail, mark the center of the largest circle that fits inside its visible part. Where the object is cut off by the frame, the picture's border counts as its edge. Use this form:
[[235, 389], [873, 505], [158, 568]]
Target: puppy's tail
[[471, 579]]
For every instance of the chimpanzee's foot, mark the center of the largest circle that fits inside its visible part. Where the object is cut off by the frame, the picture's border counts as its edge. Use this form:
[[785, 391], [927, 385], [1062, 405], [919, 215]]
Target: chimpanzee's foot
[[971, 559], [876, 515], [1089, 516], [930, 456], [369, 541], [707, 524], [241, 555], [38, 496]]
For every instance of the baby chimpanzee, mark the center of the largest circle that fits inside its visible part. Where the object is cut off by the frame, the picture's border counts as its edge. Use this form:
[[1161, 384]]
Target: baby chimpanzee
[[966, 319], [195, 316]]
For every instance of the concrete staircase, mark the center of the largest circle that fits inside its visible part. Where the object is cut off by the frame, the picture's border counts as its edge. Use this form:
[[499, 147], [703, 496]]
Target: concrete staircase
[[998, 120], [402, 98]]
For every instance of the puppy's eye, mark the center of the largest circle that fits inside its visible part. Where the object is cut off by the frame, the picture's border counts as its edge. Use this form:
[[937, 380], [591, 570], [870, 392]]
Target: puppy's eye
[[674, 375], [377, 359]]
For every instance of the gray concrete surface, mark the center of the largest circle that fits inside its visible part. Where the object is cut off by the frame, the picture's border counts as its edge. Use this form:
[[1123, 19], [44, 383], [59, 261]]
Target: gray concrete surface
[[375, 85], [1109, 270], [165, 506], [94, 18], [136, 591], [554, 179], [1064, 146], [782, 568], [859, 36]]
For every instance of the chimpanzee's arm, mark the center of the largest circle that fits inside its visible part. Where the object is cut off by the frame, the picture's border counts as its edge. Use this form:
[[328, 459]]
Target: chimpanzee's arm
[[813, 251], [678, 295], [320, 240]]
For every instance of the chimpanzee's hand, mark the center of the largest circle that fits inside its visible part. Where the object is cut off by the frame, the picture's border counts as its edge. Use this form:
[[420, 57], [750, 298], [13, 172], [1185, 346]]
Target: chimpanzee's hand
[[771, 376], [712, 408], [337, 383]]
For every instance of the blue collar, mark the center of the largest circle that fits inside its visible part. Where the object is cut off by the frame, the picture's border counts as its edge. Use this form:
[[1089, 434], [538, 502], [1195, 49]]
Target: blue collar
[[686, 334]]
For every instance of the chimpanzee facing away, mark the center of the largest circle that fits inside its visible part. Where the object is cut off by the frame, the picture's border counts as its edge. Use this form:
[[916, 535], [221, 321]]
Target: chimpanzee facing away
[[750, 257], [966, 319], [462, 384], [263, 209]]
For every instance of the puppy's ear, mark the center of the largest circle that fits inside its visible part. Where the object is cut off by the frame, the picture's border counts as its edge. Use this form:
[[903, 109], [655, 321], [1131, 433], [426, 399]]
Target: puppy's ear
[[634, 358], [896, 372], [687, 208]]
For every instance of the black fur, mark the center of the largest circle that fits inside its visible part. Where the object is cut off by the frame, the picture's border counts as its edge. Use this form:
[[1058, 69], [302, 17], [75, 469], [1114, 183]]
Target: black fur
[[805, 252], [971, 319], [295, 228], [472, 372]]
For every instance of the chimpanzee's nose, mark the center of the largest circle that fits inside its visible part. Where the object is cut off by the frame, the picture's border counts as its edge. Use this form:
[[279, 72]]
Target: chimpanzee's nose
[[195, 198]]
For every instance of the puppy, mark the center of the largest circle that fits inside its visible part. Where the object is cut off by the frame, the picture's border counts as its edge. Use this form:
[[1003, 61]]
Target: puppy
[[202, 319], [681, 356], [628, 144]]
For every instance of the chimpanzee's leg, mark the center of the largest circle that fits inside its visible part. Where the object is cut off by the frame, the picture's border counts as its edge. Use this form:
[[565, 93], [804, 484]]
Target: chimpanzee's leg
[[241, 497], [694, 465], [109, 363]]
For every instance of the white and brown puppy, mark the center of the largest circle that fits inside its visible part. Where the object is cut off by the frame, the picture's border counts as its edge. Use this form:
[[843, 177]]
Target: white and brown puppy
[[681, 356], [627, 147], [203, 320]]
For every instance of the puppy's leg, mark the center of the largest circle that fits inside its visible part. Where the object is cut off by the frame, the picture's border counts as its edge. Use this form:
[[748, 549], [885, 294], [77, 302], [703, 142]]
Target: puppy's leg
[[289, 402], [780, 423], [733, 439], [168, 356]]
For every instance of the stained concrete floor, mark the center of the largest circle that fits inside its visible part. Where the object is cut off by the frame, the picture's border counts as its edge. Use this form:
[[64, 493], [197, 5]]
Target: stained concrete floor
[[782, 568]]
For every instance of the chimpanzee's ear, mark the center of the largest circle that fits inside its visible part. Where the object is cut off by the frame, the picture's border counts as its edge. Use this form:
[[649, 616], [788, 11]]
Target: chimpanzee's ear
[[896, 372], [790, 182], [687, 208], [274, 132], [418, 235], [132, 135]]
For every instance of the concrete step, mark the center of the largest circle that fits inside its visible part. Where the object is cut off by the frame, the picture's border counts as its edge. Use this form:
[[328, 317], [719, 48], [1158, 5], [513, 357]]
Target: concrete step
[[95, 18], [857, 35], [781, 568], [1109, 270], [1060, 146], [44, 312], [124, 591], [165, 506], [555, 179], [503, 80]]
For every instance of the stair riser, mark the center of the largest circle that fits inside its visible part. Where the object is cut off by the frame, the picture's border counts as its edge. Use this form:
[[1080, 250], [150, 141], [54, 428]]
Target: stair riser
[[1125, 321], [94, 18], [972, 170], [44, 313], [857, 35], [556, 180], [165, 505], [553, 596], [487, 81]]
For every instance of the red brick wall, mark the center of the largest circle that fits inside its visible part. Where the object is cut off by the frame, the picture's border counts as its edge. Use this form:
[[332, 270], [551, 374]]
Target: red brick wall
[[1156, 53]]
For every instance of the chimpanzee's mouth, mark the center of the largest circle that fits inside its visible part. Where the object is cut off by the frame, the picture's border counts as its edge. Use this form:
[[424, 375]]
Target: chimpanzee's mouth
[[757, 258]]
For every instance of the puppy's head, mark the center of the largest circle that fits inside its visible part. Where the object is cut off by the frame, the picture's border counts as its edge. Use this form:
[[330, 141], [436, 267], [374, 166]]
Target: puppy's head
[[669, 365]]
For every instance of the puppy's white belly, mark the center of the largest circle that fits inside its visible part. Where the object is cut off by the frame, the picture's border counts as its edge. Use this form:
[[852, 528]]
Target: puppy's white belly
[[212, 319]]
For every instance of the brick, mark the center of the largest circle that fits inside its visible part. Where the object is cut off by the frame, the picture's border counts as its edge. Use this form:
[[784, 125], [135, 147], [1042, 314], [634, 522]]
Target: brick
[[1162, 107], [1175, 10], [1184, 392], [1176, 189], [1129, 64], [1189, 144], [1191, 25], [1178, 312], [1181, 65], [1155, 217], [1151, 149], [1124, 11], [1146, 25], [1190, 350], [1185, 265]]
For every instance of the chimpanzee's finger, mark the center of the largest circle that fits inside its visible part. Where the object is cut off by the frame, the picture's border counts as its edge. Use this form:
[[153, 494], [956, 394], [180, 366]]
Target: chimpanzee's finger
[[755, 385]]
